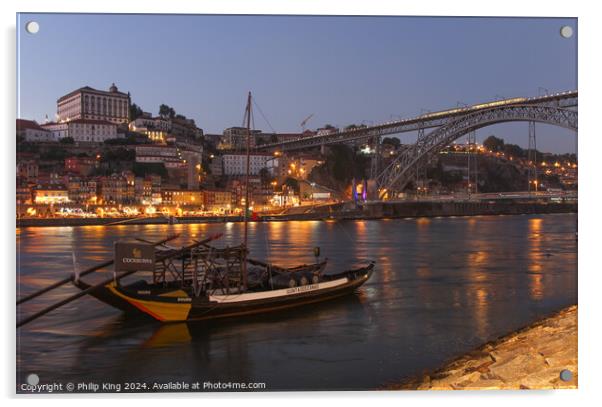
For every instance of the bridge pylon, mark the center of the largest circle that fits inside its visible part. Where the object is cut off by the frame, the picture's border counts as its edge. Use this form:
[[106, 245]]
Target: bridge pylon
[[374, 169], [532, 159], [374, 163], [472, 169], [323, 149]]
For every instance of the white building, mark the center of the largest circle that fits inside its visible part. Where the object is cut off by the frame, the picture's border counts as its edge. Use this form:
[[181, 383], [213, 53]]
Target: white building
[[147, 122], [83, 130], [235, 138], [88, 103], [32, 131], [171, 157], [216, 166], [236, 164], [92, 131], [58, 130]]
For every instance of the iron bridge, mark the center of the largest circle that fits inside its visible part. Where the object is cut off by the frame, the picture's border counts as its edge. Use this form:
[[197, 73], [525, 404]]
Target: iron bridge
[[556, 109]]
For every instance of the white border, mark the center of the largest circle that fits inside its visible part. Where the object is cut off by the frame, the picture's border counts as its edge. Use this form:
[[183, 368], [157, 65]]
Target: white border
[[590, 70]]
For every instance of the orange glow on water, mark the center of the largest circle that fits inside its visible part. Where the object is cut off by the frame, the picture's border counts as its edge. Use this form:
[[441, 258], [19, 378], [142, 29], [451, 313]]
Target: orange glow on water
[[535, 267]]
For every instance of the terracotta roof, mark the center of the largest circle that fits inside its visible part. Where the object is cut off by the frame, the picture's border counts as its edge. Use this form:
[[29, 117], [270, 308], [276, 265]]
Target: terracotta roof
[[89, 89], [23, 124]]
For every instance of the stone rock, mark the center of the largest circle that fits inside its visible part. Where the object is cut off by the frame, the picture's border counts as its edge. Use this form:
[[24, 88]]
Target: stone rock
[[467, 379], [531, 358], [487, 384], [540, 380], [482, 368]]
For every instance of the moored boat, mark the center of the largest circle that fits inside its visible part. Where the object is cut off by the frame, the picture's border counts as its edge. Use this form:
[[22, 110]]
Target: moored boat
[[221, 295], [199, 281]]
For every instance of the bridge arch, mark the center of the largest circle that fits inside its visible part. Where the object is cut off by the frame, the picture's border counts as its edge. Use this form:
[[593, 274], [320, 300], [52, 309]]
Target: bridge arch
[[399, 171]]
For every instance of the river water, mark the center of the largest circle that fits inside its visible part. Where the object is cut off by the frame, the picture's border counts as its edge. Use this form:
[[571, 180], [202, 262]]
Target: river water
[[441, 287]]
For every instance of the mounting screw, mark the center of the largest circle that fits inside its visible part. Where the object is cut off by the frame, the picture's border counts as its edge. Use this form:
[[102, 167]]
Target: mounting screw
[[566, 31], [33, 379], [566, 375], [32, 27]]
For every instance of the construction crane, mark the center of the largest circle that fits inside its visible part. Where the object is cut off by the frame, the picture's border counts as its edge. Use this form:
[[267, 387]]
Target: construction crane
[[304, 122]]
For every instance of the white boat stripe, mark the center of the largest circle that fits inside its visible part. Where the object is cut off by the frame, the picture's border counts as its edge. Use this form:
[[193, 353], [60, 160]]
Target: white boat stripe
[[277, 293]]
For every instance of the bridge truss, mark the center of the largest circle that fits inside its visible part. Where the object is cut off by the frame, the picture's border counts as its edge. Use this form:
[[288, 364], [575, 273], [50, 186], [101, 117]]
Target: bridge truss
[[400, 171], [448, 125]]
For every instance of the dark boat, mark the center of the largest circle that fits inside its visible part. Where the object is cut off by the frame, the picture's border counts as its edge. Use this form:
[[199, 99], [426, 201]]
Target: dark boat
[[210, 285]]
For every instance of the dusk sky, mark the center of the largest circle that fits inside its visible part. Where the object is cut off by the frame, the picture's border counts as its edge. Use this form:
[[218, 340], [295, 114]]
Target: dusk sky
[[342, 69]]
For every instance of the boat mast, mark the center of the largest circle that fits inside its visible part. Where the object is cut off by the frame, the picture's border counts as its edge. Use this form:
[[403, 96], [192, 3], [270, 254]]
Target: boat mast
[[246, 210]]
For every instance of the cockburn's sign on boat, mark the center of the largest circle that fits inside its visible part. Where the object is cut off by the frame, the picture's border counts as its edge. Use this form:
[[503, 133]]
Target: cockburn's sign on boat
[[134, 256]]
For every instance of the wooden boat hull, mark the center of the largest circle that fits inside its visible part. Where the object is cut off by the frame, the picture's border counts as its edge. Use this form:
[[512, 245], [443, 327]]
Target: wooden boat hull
[[177, 305]]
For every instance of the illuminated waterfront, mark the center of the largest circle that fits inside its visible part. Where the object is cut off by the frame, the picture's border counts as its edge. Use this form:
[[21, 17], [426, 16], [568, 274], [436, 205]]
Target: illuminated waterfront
[[442, 286]]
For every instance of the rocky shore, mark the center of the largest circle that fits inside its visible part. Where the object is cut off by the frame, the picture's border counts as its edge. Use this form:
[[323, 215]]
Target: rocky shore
[[532, 358]]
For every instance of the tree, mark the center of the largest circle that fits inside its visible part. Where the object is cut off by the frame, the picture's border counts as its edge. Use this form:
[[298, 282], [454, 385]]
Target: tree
[[392, 141], [342, 164], [56, 153], [135, 111], [119, 154], [292, 184], [494, 144], [143, 169], [67, 140], [513, 150], [163, 110], [116, 141], [24, 146], [166, 111]]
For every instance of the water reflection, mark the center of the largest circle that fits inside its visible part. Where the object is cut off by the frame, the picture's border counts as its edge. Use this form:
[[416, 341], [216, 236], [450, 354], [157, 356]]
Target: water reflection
[[535, 267], [441, 287]]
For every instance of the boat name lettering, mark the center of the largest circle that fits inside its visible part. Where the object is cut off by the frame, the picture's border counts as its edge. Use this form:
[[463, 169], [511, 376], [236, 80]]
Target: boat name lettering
[[132, 260], [302, 288]]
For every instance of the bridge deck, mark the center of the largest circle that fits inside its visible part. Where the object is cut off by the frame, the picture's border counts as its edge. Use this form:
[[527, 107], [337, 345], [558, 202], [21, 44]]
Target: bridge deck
[[566, 99]]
